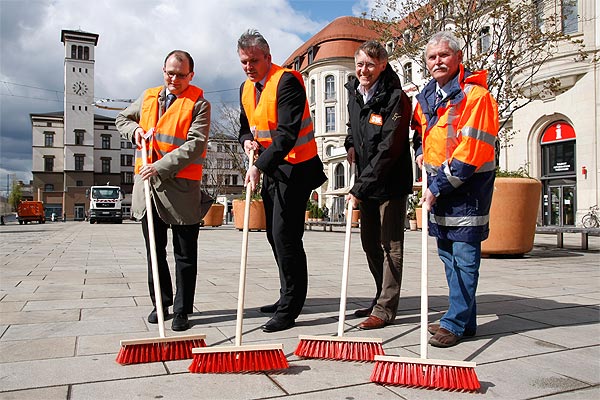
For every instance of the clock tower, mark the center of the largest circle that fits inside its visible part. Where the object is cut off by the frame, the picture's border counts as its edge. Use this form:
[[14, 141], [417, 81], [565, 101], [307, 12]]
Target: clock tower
[[78, 108]]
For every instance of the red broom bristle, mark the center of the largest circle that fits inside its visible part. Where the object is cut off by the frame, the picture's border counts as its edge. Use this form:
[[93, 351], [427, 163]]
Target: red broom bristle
[[338, 350], [155, 352], [425, 375], [238, 361]]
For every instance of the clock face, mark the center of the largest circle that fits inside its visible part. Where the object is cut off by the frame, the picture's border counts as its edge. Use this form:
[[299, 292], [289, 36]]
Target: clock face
[[80, 88]]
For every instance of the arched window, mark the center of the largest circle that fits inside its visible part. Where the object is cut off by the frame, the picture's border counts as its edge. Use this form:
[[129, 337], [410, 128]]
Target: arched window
[[338, 174], [312, 91], [80, 52], [329, 87], [329, 150], [86, 53], [73, 51]]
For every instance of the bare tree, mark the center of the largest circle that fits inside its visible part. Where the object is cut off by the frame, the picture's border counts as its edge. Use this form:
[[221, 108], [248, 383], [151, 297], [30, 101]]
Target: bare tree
[[513, 39]]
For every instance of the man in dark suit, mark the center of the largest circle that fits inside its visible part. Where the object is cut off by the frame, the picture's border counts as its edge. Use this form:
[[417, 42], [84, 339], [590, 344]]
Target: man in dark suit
[[180, 117], [275, 122]]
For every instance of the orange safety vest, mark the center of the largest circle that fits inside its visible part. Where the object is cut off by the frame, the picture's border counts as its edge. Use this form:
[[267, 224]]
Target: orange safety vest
[[262, 117], [171, 129]]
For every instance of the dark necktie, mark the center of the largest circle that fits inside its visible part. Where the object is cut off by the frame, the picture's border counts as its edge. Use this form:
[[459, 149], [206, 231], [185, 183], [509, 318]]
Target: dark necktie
[[259, 87], [439, 96], [170, 99]]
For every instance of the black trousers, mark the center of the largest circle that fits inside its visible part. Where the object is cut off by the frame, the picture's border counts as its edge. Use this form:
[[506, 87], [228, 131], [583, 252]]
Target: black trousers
[[285, 206], [185, 249]]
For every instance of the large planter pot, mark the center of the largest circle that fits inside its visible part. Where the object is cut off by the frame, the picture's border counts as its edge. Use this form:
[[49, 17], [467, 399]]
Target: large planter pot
[[214, 216], [258, 220], [419, 213], [513, 216], [355, 218]]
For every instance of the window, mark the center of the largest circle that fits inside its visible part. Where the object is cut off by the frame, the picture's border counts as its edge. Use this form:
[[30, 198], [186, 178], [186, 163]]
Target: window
[[539, 15], [78, 183], [49, 124], [227, 164], [329, 87], [79, 134], [234, 180], [73, 51], [80, 52], [311, 55], [339, 176], [312, 91], [106, 165], [330, 119], [126, 160], [569, 16], [407, 72], [48, 163], [329, 150], [484, 42], [79, 158], [219, 163], [297, 63], [48, 139], [48, 187], [106, 141], [126, 177], [86, 53]]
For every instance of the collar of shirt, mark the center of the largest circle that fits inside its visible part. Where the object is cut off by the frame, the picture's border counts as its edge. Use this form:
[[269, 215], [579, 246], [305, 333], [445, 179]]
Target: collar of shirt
[[367, 94], [443, 90]]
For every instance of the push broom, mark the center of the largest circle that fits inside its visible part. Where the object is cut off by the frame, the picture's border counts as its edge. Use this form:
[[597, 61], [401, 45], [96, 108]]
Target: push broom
[[340, 347], [163, 348], [424, 372], [238, 358]]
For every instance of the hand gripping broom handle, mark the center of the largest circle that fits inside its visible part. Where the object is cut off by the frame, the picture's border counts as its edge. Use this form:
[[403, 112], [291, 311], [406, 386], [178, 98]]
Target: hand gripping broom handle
[[243, 261], [424, 294], [152, 241], [346, 265]]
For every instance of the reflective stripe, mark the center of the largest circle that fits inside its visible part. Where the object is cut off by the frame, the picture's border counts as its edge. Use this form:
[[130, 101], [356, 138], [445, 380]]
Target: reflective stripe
[[465, 221], [487, 167], [454, 181], [478, 134], [430, 169], [175, 141], [299, 141]]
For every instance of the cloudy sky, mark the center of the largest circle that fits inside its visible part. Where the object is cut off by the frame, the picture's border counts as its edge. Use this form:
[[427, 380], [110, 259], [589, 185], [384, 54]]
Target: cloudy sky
[[135, 35]]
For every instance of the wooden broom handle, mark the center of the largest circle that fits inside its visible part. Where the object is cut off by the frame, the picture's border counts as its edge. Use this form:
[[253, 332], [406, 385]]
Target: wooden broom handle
[[152, 244], [243, 260], [346, 264], [424, 294]]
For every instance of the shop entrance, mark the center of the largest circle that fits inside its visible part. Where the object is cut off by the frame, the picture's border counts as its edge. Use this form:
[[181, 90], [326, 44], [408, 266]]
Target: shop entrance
[[559, 203]]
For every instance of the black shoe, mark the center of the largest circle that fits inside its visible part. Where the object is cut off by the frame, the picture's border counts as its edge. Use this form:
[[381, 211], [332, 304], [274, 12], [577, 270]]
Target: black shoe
[[278, 324], [153, 316], [180, 322], [269, 309], [363, 312]]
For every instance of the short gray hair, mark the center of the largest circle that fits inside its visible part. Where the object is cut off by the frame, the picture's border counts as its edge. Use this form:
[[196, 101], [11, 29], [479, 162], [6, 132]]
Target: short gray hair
[[446, 37], [253, 38]]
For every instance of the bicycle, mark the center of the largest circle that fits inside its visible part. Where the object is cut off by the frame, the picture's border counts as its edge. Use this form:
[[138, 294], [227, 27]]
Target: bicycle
[[591, 220]]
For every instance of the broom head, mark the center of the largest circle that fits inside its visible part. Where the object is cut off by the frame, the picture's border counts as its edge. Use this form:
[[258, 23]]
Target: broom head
[[427, 373], [247, 358], [159, 349], [339, 348]]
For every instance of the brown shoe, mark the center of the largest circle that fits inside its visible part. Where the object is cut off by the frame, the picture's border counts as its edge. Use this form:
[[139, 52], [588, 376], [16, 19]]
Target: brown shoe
[[372, 322], [444, 338], [433, 328], [363, 312]]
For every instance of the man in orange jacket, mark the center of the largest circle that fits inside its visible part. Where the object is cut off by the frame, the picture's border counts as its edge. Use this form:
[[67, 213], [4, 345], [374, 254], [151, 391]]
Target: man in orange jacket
[[275, 122], [456, 120]]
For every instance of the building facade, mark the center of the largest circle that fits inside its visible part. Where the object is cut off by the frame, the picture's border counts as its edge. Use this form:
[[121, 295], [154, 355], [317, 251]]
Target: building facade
[[556, 135], [75, 148]]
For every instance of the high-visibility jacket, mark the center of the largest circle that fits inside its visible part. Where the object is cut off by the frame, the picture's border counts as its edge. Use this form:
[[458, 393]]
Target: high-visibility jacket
[[262, 117], [171, 128], [458, 145]]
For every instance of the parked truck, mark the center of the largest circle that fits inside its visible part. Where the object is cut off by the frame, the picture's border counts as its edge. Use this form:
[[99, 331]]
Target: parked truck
[[30, 211], [105, 204]]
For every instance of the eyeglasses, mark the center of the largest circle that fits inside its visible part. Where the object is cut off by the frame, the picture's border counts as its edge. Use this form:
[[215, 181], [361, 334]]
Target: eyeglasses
[[368, 65], [173, 75]]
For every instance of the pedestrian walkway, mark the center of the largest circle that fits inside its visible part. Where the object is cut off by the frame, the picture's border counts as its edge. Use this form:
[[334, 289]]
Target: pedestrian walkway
[[69, 292]]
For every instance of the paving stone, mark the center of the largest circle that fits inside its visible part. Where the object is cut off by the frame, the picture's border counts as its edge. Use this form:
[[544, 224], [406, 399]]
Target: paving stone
[[39, 349], [50, 393]]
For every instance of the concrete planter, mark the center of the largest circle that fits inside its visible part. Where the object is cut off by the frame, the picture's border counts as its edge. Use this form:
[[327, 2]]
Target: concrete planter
[[214, 216], [513, 216], [258, 219], [419, 213]]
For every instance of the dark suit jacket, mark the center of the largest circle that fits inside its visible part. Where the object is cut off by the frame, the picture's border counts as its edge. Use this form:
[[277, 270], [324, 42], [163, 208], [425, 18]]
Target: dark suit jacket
[[291, 99]]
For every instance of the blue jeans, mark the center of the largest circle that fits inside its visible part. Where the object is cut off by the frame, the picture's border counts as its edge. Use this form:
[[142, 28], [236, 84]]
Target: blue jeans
[[461, 261]]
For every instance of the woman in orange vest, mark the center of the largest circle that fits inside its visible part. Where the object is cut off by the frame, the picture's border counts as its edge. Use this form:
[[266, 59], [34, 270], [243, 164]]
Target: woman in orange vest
[[275, 122]]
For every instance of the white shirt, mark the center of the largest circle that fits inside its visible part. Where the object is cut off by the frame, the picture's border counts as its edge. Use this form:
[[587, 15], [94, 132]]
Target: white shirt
[[367, 94]]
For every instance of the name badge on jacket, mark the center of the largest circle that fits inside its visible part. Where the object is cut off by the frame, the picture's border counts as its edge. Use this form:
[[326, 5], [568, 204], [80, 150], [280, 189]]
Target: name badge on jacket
[[376, 119]]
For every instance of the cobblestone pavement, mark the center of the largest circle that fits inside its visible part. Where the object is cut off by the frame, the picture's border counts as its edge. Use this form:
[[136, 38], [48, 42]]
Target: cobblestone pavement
[[69, 292]]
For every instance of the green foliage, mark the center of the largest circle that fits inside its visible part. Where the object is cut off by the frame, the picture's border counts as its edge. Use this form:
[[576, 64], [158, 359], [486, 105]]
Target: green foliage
[[314, 211], [520, 172], [15, 196], [413, 204]]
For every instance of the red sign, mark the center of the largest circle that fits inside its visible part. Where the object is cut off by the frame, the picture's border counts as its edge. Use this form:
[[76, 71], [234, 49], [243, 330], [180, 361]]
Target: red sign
[[558, 132]]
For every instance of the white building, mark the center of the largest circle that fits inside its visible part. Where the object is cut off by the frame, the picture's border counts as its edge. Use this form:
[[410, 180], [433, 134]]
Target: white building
[[557, 134]]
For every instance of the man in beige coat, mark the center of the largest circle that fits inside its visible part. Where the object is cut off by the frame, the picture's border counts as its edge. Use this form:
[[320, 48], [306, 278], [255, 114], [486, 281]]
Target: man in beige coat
[[179, 117]]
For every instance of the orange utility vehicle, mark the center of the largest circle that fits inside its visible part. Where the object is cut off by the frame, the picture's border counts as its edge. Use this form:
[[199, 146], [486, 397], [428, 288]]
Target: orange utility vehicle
[[29, 211]]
